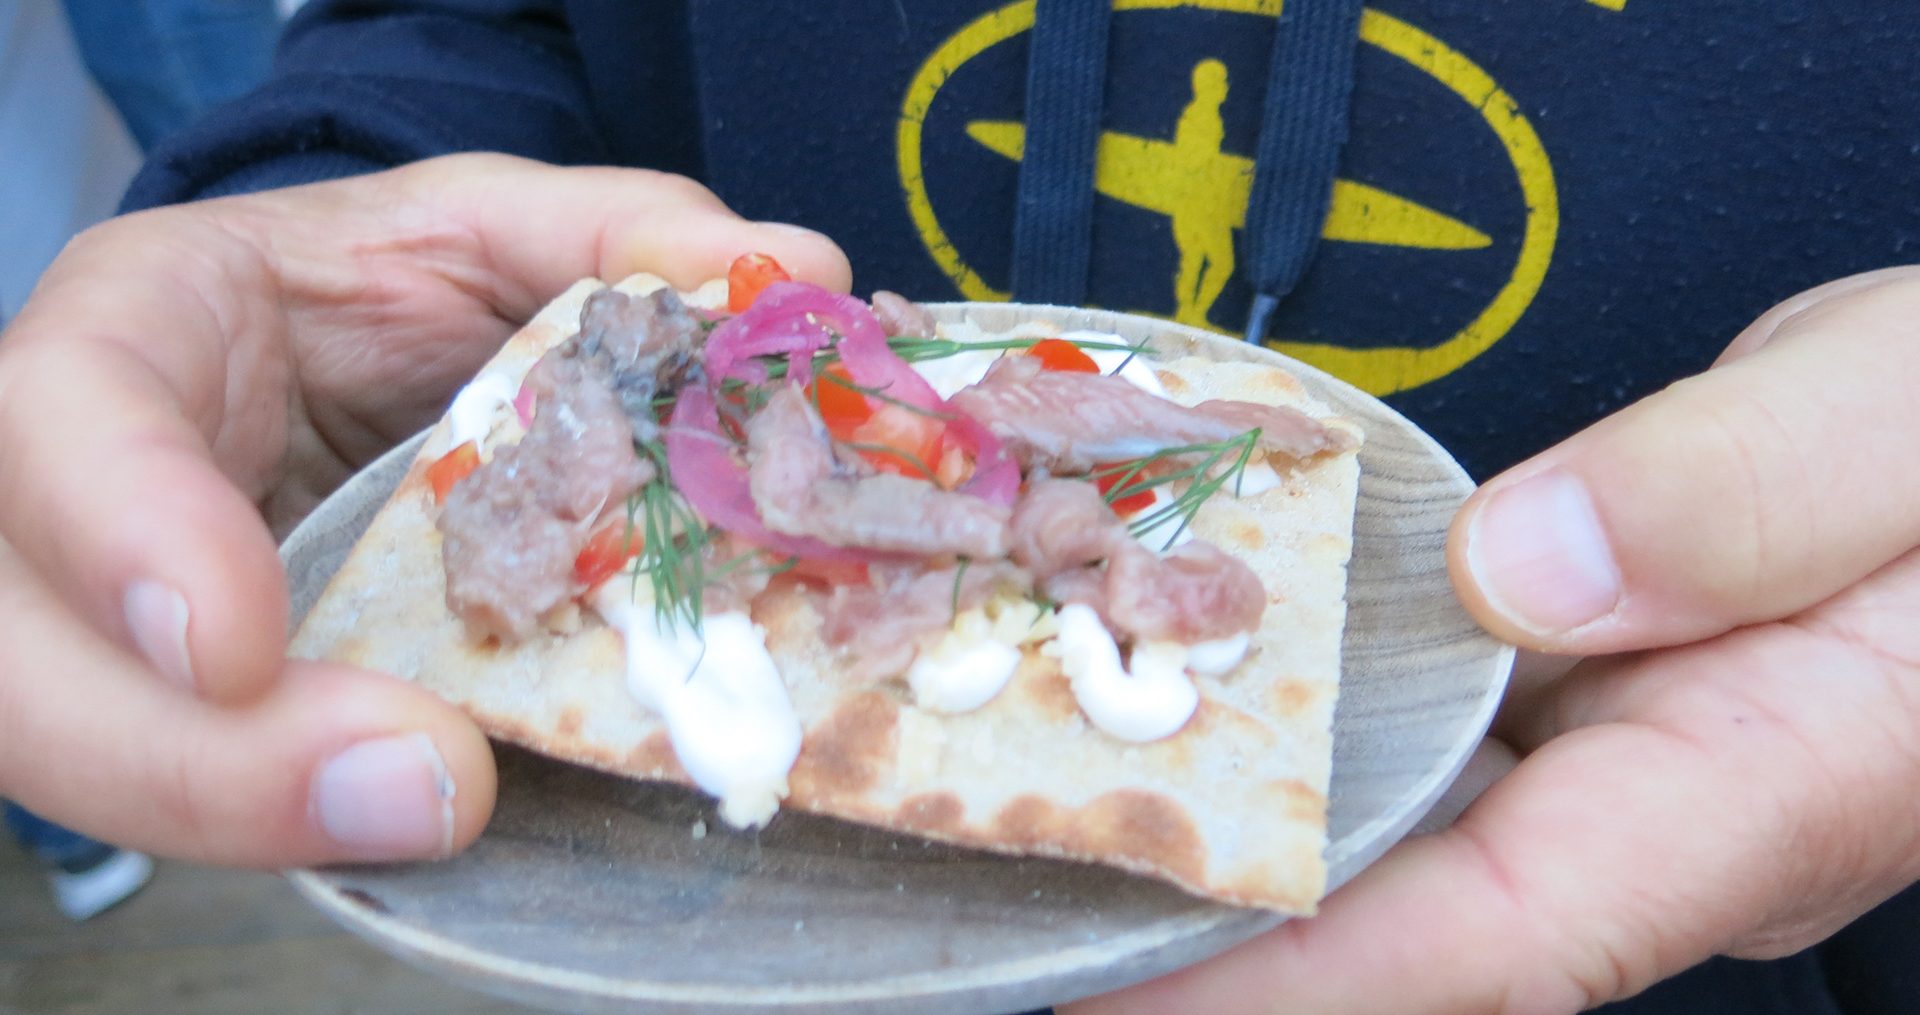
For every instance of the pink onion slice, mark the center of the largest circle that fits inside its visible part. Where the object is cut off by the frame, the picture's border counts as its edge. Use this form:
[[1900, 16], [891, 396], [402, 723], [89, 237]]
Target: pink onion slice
[[700, 457], [523, 403], [996, 476], [796, 320], [788, 318], [872, 363]]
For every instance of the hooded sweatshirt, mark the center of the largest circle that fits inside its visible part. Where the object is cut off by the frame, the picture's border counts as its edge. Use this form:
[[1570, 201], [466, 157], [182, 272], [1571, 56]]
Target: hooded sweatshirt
[[1509, 217]]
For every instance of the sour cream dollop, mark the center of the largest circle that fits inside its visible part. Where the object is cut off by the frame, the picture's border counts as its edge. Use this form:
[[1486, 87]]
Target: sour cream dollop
[[960, 674], [971, 664], [726, 707], [1148, 701], [478, 407]]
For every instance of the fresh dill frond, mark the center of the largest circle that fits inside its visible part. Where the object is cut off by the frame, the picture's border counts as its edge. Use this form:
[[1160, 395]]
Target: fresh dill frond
[[1135, 350], [673, 548], [959, 574], [913, 350], [1204, 476]]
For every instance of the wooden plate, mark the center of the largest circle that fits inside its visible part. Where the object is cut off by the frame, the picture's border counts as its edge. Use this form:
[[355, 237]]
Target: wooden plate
[[594, 893]]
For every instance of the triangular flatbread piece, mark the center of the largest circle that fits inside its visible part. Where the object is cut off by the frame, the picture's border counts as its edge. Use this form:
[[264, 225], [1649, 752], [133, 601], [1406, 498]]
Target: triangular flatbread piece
[[1232, 807]]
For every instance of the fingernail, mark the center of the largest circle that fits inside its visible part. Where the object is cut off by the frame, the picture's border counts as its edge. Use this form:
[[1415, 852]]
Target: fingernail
[[387, 799], [1538, 553], [157, 619]]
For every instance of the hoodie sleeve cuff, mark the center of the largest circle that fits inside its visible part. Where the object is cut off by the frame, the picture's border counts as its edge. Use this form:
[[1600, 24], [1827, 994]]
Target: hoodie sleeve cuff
[[290, 170]]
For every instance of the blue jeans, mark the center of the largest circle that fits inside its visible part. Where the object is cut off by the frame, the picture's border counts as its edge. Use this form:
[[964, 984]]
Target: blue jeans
[[165, 62], [49, 842]]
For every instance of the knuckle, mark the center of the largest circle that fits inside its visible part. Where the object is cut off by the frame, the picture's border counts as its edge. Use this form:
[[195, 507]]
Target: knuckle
[[1738, 445]]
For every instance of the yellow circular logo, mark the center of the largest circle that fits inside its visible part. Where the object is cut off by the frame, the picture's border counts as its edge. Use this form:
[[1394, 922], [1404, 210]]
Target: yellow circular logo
[[1204, 190]]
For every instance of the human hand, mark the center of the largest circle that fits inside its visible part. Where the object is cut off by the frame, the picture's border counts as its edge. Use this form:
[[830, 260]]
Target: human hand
[[1749, 785], [181, 372]]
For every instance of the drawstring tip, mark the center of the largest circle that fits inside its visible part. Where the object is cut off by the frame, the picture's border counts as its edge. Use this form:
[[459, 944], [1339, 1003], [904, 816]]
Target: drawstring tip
[[1258, 317]]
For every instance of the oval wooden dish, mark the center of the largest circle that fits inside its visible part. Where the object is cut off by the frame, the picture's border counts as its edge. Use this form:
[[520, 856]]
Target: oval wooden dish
[[590, 892]]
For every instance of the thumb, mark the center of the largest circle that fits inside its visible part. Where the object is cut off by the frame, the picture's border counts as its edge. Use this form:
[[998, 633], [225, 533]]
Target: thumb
[[542, 228], [1745, 494]]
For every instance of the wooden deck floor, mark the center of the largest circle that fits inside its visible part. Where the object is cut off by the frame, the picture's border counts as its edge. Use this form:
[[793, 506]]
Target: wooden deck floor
[[205, 942]]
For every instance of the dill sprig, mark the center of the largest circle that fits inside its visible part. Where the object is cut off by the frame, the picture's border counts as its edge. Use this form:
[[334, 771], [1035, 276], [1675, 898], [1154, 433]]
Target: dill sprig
[[913, 350], [673, 544], [1204, 475], [1133, 351], [959, 575]]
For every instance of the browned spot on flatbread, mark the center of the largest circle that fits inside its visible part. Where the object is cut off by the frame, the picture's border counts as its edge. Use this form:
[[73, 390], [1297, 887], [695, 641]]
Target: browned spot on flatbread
[[1300, 801], [1292, 697], [1145, 827], [569, 722], [1246, 535], [651, 759], [1175, 384], [932, 813], [1273, 383], [850, 750], [1028, 821], [1040, 680]]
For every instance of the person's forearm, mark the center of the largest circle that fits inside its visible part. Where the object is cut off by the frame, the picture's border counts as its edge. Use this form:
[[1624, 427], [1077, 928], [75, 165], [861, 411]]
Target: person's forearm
[[361, 85]]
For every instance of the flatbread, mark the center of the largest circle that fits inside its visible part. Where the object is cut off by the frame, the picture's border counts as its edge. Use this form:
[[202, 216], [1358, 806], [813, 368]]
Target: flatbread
[[1233, 807]]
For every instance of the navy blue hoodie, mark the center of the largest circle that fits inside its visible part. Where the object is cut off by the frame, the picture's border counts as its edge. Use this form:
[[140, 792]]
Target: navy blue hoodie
[[1543, 209]]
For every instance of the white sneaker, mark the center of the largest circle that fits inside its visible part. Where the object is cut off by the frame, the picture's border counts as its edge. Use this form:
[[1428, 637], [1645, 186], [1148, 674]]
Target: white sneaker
[[85, 891]]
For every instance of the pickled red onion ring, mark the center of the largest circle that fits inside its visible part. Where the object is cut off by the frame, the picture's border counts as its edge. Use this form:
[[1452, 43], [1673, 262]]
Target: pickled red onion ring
[[786, 319], [798, 319], [523, 404], [704, 469]]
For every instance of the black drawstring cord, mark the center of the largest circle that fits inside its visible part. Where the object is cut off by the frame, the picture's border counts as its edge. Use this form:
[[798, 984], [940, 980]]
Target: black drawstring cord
[[1053, 221], [1302, 129]]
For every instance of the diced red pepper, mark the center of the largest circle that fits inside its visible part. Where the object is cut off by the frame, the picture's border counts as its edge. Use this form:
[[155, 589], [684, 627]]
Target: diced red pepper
[[1131, 504], [749, 274], [451, 468], [829, 572], [841, 407], [606, 553], [1060, 354], [908, 441], [898, 439]]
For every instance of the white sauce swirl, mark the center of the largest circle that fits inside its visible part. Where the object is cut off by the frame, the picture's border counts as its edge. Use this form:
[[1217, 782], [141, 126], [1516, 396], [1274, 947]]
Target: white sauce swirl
[[476, 409], [960, 675], [1216, 657], [1152, 700], [726, 707], [973, 661]]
